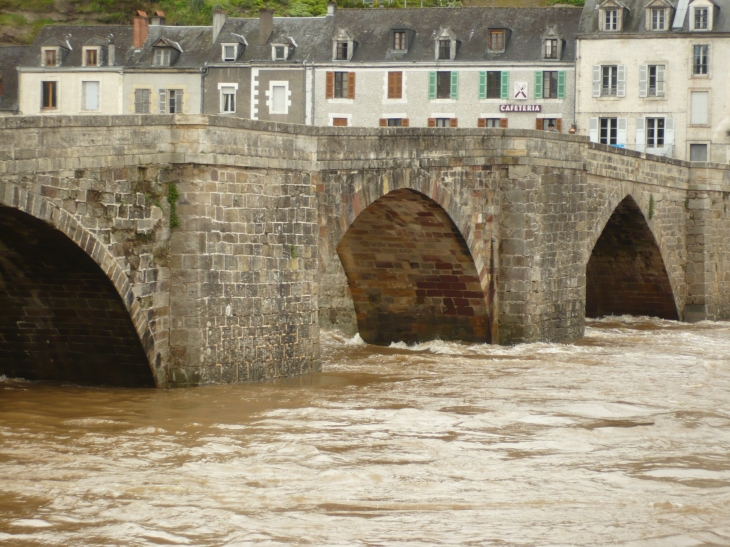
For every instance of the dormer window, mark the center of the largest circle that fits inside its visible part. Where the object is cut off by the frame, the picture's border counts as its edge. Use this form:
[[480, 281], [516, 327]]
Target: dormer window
[[444, 49], [496, 40], [399, 40], [91, 56], [612, 15], [279, 53], [702, 13], [658, 19], [343, 46], [701, 18], [551, 48], [162, 57], [658, 15], [445, 44], [50, 57], [610, 19], [341, 54], [230, 52]]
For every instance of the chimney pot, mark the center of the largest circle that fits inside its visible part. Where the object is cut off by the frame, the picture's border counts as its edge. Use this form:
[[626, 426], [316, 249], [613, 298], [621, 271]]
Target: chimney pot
[[266, 25], [141, 29], [331, 8], [158, 18], [219, 19]]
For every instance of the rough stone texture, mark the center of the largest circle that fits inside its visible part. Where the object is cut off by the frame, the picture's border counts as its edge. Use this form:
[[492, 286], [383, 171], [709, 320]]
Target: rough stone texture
[[233, 293], [336, 308]]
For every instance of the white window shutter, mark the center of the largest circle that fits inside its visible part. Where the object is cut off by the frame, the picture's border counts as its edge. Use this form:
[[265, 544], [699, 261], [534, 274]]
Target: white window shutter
[[178, 101], [660, 80], [643, 70], [596, 81], [621, 134], [163, 96], [621, 89], [593, 129], [668, 131], [640, 135]]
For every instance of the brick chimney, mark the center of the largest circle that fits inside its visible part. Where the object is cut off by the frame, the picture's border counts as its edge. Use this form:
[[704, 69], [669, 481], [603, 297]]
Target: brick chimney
[[266, 25], [141, 29], [219, 19]]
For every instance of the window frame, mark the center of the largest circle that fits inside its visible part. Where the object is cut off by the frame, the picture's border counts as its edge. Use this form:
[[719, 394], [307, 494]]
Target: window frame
[[609, 72], [498, 93], [610, 19], [84, 99], [283, 84], [611, 133], [342, 50], [342, 86], [654, 14], [400, 39], [499, 36], [228, 89], [276, 48], [551, 48], [697, 15], [395, 84], [700, 68], [52, 85], [97, 56], [162, 56], [443, 122], [550, 77], [444, 48], [147, 104], [224, 57], [443, 80], [702, 144], [493, 122], [653, 91], [56, 56], [653, 127]]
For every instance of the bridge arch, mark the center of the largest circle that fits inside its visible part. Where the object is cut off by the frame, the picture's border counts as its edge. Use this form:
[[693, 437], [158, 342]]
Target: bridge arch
[[626, 273], [83, 323]]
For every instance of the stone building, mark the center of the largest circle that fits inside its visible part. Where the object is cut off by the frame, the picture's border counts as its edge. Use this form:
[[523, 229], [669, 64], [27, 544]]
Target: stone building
[[651, 76], [10, 57], [452, 67], [74, 69]]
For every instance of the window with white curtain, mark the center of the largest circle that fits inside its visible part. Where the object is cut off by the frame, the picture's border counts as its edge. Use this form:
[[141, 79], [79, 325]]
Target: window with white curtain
[[90, 95], [228, 99], [278, 99]]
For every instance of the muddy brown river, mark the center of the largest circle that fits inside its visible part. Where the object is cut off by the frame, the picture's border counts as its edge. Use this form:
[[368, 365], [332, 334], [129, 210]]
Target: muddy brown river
[[620, 439]]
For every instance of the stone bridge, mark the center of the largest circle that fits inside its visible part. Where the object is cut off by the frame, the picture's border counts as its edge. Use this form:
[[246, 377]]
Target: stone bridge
[[171, 251]]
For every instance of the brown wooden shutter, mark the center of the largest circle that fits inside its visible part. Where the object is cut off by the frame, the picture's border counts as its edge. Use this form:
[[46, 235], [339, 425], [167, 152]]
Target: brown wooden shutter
[[395, 85], [391, 85], [350, 85], [404, 122], [383, 122], [538, 124], [482, 122], [453, 122], [559, 124], [432, 122], [330, 85], [503, 123], [339, 122]]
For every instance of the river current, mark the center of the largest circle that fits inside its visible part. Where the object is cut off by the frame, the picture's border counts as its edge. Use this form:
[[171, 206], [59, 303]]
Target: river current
[[622, 438]]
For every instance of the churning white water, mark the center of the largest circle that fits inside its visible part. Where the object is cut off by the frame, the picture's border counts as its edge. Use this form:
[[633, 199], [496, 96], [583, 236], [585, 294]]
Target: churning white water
[[620, 439]]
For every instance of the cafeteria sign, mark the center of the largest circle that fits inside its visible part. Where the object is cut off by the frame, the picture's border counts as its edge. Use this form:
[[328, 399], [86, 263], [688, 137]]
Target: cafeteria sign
[[520, 108]]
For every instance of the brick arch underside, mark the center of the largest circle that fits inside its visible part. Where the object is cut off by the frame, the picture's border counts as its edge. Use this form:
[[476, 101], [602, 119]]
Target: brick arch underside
[[626, 274], [411, 275], [61, 318]]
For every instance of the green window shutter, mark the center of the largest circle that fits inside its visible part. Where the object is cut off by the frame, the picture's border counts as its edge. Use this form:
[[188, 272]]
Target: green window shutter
[[538, 84], [504, 91], [482, 85], [431, 85], [561, 84], [454, 84]]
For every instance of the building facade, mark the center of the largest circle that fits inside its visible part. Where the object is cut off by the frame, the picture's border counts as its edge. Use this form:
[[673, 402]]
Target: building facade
[[652, 77]]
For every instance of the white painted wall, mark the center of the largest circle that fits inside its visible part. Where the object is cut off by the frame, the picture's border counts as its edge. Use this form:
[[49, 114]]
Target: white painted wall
[[69, 95]]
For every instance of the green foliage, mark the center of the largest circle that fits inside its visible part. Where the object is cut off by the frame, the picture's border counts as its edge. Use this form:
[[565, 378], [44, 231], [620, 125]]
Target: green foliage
[[569, 2], [651, 206], [293, 252], [172, 196]]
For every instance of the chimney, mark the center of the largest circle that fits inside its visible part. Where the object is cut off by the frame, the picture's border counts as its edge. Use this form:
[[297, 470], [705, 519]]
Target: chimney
[[266, 25], [141, 30], [219, 19], [111, 55], [331, 8], [158, 19]]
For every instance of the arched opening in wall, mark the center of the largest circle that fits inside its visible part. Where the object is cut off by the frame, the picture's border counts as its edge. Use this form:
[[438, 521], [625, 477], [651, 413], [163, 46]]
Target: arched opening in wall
[[61, 318], [625, 274], [411, 275]]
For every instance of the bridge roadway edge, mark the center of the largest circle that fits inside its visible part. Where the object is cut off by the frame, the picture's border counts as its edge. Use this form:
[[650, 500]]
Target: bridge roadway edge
[[232, 293]]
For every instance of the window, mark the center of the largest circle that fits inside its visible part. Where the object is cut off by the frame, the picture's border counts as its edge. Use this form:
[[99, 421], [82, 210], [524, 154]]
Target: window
[[341, 87], [91, 57], [339, 122], [550, 124], [610, 19], [443, 85], [658, 18], [651, 81], [341, 51], [162, 57], [496, 40], [701, 18], [697, 152], [655, 132], [700, 59], [399, 40], [141, 101], [228, 99], [50, 92], [280, 53], [699, 108], [278, 99], [609, 131], [171, 101], [551, 49], [443, 122], [395, 122], [494, 84], [90, 95], [444, 49], [395, 85], [609, 80], [230, 52], [50, 57], [550, 84], [491, 122]]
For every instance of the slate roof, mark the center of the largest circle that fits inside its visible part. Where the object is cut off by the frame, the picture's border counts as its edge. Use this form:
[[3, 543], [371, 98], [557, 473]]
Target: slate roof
[[371, 29], [79, 37], [194, 42], [635, 21], [10, 58], [312, 36]]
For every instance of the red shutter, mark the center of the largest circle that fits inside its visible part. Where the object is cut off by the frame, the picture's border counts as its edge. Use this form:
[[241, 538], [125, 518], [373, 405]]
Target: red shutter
[[503, 123], [404, 122], [432, 122], [538, 124], [350, 85], [482, 122], [453, 122], [383, 122], [330, 85], [559, 124]]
